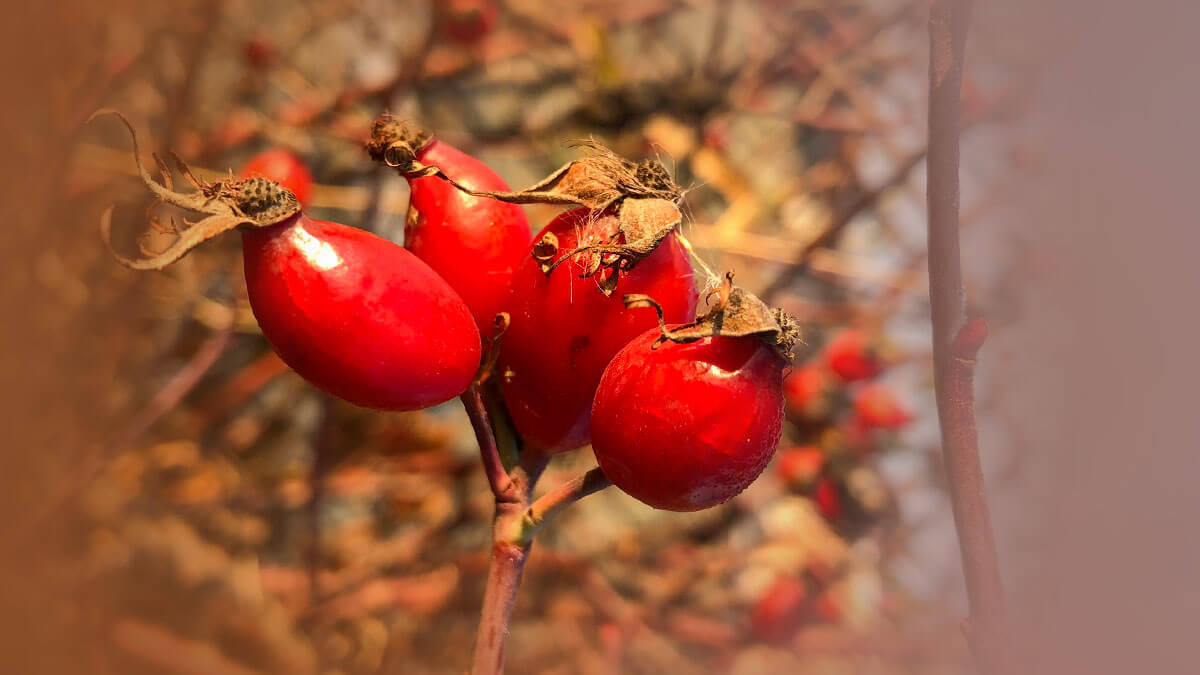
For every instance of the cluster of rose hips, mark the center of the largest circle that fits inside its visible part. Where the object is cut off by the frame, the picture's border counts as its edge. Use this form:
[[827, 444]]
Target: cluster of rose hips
[[587, 332], [842, 413]]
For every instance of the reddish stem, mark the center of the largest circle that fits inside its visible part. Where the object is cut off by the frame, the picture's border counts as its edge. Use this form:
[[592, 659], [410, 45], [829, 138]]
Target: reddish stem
[[504, 577], [551, 503], [489, 452], [515, 524], [956, 341]]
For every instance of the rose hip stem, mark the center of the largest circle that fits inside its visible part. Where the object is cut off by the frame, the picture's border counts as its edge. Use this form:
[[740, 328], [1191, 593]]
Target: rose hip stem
[[956, 341], [518, 518]]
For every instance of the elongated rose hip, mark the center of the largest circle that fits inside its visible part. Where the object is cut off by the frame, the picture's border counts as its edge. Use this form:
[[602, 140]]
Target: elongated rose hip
[[472, 242], [354, 314]]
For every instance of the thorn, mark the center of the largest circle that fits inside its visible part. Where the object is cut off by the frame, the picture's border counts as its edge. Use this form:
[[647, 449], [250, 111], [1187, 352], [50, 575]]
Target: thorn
[[970, 338]]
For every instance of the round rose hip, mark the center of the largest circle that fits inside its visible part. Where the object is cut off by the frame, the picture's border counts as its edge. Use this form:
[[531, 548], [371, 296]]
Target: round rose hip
[[684, 427]]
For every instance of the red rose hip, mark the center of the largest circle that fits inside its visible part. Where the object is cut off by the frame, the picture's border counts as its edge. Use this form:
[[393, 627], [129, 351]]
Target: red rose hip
[[352, 313], [472, 242], [801, 465], [684, 427], [565, 330], [358, 316], [780, 610]]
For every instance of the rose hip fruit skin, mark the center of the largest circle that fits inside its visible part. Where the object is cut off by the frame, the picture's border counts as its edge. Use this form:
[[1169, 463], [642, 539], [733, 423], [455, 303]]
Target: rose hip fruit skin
[[358, 316], [472, 242], [564, 330], [284, 168], [684, 427]]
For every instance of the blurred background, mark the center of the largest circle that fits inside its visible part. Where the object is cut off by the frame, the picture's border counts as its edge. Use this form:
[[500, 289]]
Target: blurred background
[[182, 503]]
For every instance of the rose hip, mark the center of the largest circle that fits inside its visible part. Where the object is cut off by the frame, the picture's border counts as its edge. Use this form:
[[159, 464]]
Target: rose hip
[[565, 329], [472, 242], [684, 427]]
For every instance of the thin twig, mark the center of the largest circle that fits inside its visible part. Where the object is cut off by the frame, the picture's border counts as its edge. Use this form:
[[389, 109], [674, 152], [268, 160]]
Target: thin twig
[[516, 523], [502, 486], [956, 340], [551, 503]]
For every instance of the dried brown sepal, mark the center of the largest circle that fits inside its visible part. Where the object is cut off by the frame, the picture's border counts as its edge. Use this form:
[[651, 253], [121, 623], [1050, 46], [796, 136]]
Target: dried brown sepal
[[596, 182], [736, 313], [227, 204], [642, 224], [641, 195], [544, 251], [396, 142]]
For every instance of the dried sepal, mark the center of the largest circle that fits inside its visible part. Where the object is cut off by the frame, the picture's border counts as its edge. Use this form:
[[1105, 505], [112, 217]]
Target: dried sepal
[[544, 251], [642, 195], [596, 182], [188, 239], [227, 204], [735, 313], [396, 142]]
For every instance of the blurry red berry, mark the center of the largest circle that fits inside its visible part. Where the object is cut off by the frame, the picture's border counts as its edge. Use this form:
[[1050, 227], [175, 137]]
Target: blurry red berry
[[852, 356], [828, 498], [828, 607], [877, 406], [684, 427], [800, 466], [284, 168], [780, 611], [466, 21], [259, 52], [807, 389]]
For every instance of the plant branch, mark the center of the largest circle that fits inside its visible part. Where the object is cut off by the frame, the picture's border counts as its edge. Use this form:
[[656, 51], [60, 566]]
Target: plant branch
[[829, 236], [94, 460], [504, 577], [956, 340], [498, 479], [551, 503]]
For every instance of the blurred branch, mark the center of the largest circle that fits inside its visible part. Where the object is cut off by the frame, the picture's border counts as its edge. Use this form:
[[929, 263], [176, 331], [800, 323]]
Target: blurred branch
[[166, 400], [833, 232], [956, 340], [170, 653]]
